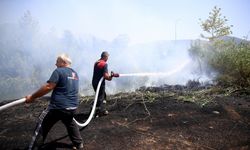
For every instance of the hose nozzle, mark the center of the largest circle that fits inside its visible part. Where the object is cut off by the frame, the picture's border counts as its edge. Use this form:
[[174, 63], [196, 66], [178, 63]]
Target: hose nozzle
[[114, 74]]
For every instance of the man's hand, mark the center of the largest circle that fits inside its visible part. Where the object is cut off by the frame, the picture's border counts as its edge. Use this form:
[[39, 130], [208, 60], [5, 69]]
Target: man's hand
[[29, 99], [114, 74]]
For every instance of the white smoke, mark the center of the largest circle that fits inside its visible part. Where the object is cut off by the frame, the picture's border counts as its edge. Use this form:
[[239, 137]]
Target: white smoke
[[37, 54]]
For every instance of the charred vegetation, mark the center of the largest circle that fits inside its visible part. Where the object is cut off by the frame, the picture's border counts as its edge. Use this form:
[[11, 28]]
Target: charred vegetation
[[194, 116]]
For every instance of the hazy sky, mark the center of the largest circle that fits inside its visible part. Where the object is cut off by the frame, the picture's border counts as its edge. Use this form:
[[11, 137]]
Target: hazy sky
[[141, 20]]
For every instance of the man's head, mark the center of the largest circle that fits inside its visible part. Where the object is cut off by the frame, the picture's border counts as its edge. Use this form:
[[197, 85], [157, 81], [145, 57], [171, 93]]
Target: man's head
[[63, 60], [105, 55]]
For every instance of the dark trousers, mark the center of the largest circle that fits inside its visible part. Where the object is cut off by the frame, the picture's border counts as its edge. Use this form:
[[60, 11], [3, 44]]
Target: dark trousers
[[66, 116], [101, 97]]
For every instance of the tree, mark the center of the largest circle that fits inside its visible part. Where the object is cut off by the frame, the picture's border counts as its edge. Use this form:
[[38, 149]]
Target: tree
[[28, 23], [232, 63], [228, 58], [19, 74], [28, 32], [215, 25]]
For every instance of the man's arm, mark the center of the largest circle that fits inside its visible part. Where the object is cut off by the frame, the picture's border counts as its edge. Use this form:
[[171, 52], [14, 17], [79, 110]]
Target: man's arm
[[107, 76], [46, 88]]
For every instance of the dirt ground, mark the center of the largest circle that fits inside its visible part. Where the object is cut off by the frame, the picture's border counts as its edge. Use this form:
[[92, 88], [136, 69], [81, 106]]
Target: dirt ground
[[140, 121]]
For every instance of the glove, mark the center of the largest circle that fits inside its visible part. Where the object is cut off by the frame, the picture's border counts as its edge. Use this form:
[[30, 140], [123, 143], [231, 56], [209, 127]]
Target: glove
[[114, 74]]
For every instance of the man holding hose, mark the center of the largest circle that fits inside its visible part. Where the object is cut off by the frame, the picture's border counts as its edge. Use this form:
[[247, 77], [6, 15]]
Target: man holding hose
[[64, 101], [101, 70]]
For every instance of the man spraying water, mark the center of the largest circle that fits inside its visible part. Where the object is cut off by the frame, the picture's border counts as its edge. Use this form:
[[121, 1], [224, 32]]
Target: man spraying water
[[101, 70], [98, 81]]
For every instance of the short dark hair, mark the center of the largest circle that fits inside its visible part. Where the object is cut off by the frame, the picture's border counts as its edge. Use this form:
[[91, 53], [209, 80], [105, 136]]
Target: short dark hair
[[104, 54]]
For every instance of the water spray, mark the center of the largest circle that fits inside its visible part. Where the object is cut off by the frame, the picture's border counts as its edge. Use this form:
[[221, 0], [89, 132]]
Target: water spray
[[22, 100], [179, 68], [125, 75]]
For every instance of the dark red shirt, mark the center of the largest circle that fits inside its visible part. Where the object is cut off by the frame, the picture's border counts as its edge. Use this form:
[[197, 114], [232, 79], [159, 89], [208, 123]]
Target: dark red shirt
[[100, 68]]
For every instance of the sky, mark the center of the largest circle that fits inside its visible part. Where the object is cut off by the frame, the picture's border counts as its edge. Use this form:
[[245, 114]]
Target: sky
[[141, 20]]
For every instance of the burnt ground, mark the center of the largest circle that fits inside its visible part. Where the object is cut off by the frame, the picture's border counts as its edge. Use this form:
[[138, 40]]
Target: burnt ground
[[150, 118]]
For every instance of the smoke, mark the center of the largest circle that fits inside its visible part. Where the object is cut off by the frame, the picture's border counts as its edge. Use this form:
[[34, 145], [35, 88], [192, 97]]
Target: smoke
[[28, 57], [152, 58]]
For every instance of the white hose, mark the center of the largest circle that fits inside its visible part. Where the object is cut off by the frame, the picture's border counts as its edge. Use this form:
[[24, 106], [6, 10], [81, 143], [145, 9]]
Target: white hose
[[124, 75], [22, 100], [93, 107], [181, 66]]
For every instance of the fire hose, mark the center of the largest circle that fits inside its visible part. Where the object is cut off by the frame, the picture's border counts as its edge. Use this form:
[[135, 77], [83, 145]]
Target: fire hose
[[16, 102], [93, 107], [43, 114], [22, 100], [125, 75]]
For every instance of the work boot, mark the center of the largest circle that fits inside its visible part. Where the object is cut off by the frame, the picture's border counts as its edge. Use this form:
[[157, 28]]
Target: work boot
[[105, 112], [78, 147], [97, 112], [102, 113]]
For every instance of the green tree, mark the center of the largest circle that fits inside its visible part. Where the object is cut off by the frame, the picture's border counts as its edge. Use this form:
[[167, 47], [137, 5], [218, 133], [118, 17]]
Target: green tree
[[215, 25], [226, 59], [232, 63]]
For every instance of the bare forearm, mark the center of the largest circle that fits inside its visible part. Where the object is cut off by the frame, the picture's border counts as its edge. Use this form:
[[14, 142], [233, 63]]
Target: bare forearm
[[41, 92], [46, 88], [107, 77]]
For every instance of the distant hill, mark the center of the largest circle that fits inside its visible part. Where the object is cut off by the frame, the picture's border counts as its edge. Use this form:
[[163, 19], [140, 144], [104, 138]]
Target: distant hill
[[235, 39]]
